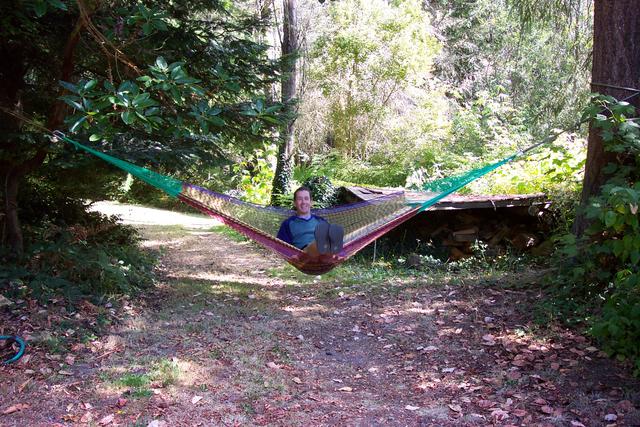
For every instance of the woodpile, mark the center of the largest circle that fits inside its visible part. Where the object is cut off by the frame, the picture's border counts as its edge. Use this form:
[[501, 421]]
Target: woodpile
[[459, 236], [455, 233], [452, 226]]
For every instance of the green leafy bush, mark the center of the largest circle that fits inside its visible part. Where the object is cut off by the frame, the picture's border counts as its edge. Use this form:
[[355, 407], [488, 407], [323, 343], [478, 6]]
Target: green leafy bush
[[603, 273], [323, 192], [84, 260], [256, 173]]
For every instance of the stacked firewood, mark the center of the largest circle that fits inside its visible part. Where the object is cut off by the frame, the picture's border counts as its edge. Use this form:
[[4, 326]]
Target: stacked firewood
[[497, 236]]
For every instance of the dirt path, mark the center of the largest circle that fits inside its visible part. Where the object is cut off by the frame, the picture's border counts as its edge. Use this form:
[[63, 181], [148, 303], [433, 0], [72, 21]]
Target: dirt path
[[230, 336]]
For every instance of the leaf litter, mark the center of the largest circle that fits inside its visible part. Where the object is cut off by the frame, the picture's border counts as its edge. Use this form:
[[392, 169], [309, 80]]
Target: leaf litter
[[214, 329]]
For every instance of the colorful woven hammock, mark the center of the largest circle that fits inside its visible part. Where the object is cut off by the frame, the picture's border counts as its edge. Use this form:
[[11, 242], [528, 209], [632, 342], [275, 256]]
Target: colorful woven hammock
[[363, 222]]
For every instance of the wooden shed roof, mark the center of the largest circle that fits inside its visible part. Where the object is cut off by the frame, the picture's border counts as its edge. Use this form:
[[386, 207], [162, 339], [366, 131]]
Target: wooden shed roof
[[455, 201]]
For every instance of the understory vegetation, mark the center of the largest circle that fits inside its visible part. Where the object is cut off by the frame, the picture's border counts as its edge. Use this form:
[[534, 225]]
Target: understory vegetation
[[76, 255], [599, 281], [390, 94]]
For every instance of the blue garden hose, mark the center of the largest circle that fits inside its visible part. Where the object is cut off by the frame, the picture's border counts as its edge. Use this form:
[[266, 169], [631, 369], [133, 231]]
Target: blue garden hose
[[20, 352]]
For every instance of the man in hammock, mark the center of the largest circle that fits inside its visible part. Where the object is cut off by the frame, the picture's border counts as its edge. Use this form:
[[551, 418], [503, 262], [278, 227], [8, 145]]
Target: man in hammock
[[309, 232]]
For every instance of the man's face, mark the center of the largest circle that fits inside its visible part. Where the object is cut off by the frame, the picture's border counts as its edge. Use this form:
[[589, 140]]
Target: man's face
[[302, 203]]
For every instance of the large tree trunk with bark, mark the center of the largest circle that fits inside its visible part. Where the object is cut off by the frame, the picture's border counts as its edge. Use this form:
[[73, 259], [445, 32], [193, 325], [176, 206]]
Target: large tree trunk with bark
[[616, 62], [284, 167]]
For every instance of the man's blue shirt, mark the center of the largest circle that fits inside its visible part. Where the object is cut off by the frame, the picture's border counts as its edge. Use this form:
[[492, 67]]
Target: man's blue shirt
[[298, 231]]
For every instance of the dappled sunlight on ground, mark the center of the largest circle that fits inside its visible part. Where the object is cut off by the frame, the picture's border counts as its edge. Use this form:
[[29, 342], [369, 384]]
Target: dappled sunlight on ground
[[140, 215], [231, 337]]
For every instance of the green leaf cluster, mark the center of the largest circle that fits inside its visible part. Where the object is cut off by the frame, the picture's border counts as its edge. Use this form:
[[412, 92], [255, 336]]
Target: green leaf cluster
[[256, 172], [605, 267], [90, 260], [371, 51]]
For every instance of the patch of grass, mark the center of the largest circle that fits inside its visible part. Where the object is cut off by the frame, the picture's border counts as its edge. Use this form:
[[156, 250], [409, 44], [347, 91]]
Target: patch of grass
[[143, 421], [281, 353], [216, 354], [195, 328], [88, 337], [248, 408], [134, 380], [105, 377], [65, 324], [54, 344], [175, 230], [103, 320], [509, 383], [286, 271], [141, 393], [167, 372], [187, 288], [229, 232], [138, 384]]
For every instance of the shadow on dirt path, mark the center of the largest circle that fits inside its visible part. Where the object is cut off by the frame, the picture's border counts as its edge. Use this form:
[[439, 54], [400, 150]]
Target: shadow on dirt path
[[230, 336]]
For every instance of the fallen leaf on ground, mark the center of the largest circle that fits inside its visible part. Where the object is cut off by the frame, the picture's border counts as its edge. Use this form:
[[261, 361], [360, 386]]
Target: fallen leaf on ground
[[499, 414], [577, 424], [15, 408], [345, 389], [485, 404], [514, 375], [296, 380], [272, 365], [625, 405], [546, 409], [106, 420], [519, 412], [196, 399], [455, 408], [23, 385]]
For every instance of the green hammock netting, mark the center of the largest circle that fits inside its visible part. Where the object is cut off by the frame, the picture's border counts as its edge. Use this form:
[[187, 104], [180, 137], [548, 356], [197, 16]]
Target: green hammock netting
[[439, 189], [363, 222]]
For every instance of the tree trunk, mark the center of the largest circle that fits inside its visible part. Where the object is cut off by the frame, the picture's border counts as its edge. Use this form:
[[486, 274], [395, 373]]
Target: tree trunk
[[616, 62], [15, 171], [284, 167], [264, 9], [12, 229]]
